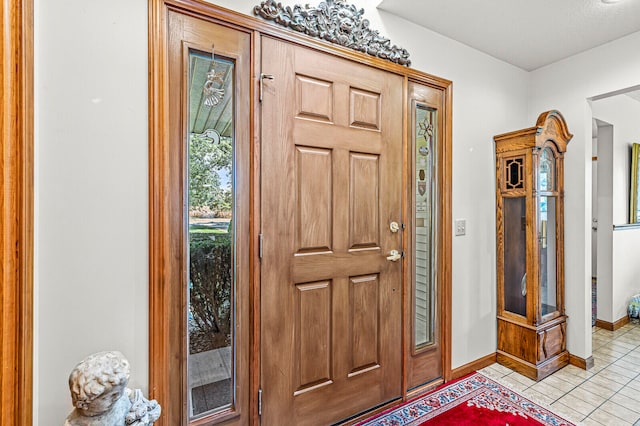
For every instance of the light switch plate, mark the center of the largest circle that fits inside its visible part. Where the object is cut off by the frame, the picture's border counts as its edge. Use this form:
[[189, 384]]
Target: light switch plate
[[461, 226]]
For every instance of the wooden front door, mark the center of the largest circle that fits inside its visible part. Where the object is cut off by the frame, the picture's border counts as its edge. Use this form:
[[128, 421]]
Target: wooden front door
[[331, 185]]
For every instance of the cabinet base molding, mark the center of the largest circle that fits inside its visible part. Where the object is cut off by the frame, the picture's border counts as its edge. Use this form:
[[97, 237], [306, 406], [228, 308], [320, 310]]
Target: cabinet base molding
[[532, 371], [583, 363], [612, 326], [472, 366], [534, 351]]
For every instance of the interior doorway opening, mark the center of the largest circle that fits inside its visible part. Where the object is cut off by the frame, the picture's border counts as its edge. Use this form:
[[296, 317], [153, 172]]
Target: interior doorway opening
[[614, 235]]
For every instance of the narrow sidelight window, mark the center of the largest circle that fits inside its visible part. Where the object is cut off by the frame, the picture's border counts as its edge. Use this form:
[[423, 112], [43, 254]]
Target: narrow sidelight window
[[211, 237], [424, 213]]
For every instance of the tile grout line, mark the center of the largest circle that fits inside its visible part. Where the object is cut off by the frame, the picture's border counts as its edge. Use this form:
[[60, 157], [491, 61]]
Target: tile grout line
[[611, 362], [615, 392], [623, 386]]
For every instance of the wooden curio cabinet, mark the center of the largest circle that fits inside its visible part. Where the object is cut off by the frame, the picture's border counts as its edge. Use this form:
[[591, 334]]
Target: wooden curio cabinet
[[530, 247]]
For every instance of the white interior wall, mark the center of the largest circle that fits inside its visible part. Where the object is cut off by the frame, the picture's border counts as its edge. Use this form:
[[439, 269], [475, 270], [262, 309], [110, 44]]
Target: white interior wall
[[626, 269], [566, 85], [622, 113], [91, 193], [621, 246], [604, 256]]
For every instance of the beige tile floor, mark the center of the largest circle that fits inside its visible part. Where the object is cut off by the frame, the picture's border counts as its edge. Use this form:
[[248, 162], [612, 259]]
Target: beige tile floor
[[607, 394]]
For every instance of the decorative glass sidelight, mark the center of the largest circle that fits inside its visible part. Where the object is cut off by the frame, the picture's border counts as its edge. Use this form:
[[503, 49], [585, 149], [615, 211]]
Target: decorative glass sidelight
[[424, 296], [211, 250]]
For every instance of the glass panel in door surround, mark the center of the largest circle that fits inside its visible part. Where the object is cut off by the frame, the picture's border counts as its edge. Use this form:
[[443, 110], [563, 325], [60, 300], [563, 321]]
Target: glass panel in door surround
[[211, 261], [515, 257], [547, 247], [424, 172]]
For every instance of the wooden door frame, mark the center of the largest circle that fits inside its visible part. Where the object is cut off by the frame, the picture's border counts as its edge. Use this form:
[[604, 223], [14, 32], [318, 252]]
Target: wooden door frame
[[16, 214], [161, 341]]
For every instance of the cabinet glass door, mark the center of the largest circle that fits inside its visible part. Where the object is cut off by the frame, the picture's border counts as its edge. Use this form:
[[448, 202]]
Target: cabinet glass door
[[547, 254], [515, 255], [546, 215], [547, 171]]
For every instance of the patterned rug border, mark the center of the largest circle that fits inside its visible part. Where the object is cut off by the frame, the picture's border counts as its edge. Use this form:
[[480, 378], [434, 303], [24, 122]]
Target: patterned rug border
[[452, 394]]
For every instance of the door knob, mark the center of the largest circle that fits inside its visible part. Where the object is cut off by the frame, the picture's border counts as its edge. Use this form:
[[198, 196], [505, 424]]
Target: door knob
[[394, 256], [394, 227]]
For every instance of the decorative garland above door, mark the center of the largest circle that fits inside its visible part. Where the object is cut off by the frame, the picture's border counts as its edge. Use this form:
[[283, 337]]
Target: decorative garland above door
[[337, 22]]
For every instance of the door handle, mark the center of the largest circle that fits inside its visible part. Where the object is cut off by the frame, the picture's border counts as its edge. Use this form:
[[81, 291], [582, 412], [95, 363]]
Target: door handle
[[394, 256], [262, 78]]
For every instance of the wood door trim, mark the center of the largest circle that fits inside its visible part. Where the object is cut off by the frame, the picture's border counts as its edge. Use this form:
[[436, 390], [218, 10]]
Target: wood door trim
[[159, 298], [16, 214], [444, 263], [406, 274], [159, 361], [255, 231]]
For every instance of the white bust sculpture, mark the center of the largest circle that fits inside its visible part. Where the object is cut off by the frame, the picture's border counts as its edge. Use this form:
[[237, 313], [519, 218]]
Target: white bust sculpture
[[100, 395]]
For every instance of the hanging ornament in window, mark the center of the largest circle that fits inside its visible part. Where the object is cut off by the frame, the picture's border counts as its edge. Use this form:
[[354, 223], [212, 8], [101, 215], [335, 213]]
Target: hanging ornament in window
[[212, 94]]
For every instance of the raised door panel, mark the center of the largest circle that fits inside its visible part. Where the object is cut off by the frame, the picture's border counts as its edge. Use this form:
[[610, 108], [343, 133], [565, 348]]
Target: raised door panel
[[364, 109], [313, 336], [314, 98], [314, 206], [363, 307], [364, 187]]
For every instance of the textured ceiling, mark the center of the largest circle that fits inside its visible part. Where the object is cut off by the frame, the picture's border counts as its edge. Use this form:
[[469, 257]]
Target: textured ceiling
[[526, 33], [635, 95]]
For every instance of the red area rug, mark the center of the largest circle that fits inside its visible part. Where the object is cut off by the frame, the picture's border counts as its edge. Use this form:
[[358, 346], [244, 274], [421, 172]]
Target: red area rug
[[472, 400]]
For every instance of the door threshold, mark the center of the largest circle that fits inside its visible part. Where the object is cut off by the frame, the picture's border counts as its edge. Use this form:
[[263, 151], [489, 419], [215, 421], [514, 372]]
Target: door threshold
[[368, 413]]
